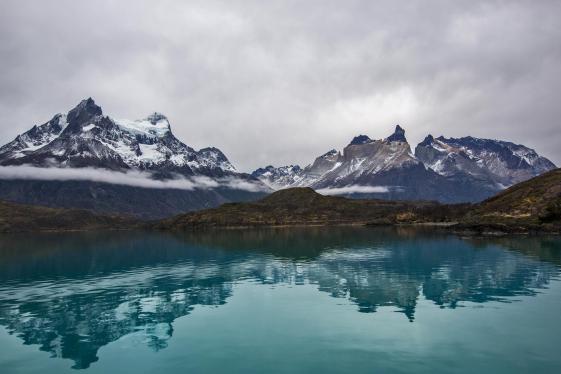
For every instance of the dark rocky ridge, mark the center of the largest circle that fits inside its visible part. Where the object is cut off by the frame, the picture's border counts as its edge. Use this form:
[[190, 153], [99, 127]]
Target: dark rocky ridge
[[398, 135]]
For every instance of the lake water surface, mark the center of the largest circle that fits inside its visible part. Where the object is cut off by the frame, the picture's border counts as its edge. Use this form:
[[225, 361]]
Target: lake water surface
[[316, 300]]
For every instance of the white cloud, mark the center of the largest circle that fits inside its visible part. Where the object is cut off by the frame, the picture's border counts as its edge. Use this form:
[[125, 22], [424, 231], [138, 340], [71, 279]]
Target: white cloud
[[130, 178], [353, 189]]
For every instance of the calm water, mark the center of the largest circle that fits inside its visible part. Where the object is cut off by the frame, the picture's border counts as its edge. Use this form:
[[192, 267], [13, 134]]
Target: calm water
[[279, 301]]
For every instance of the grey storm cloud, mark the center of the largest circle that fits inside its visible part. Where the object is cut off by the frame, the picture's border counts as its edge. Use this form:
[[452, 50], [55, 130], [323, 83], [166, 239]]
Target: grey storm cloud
[[280, 82]]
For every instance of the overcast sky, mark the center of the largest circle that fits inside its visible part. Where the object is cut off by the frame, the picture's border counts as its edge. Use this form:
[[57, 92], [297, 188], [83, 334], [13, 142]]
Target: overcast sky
[[281, 82]]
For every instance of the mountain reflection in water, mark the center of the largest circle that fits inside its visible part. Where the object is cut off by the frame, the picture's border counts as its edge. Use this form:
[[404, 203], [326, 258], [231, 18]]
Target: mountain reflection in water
[[72, 294]]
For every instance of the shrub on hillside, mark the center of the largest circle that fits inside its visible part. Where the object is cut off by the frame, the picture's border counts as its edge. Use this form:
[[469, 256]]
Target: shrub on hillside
[[552, 212]]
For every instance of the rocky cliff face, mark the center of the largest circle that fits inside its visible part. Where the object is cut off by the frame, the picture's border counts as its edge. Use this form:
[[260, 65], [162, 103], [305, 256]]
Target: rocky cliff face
[[365, 158]]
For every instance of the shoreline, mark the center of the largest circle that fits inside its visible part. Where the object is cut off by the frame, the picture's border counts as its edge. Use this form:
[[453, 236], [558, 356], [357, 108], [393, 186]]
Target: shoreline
[[454, 227]]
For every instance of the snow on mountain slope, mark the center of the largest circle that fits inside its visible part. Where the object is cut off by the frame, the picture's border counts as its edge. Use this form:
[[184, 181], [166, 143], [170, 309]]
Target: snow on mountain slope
[[365, 158], [374, 156], [499, 162], [279, 178], [84, 137], [37, 137], [155, 125]]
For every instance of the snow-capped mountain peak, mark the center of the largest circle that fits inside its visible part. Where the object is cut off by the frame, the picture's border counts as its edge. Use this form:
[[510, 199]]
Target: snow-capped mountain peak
[[85, 137]]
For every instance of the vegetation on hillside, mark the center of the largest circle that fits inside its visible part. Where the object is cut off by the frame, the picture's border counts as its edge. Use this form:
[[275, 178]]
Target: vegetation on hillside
[[27, 218], [304, 206], [531, 205], [534, 205]]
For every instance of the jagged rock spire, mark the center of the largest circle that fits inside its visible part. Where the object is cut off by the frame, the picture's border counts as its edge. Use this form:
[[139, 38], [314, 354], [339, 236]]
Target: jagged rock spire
[[429, 139], [398, 135], [85, 111]]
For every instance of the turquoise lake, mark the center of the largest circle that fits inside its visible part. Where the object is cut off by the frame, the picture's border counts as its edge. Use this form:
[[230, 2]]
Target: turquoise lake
[[314, 300]]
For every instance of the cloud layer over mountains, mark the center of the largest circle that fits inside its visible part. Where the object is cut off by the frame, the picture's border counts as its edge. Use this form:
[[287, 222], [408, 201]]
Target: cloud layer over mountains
[[130, 178], [280, 82]]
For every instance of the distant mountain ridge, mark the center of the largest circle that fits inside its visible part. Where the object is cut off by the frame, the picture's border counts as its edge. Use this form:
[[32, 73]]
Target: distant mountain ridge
[[448, 170], [501, 162], [278, 177]]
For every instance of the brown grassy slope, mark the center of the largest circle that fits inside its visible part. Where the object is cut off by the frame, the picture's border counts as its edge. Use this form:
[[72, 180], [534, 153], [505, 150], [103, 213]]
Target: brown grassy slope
[[298, 206], [535, 201], [27, 218]]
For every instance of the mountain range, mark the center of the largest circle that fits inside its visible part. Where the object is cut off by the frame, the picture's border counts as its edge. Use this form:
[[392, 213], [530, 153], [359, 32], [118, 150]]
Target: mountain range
[[87, 142], [447, 170], [532, 206]]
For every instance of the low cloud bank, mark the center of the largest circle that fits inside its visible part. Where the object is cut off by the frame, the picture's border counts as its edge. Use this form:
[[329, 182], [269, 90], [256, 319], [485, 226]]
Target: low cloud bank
[[353, 189], [129, 178]]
